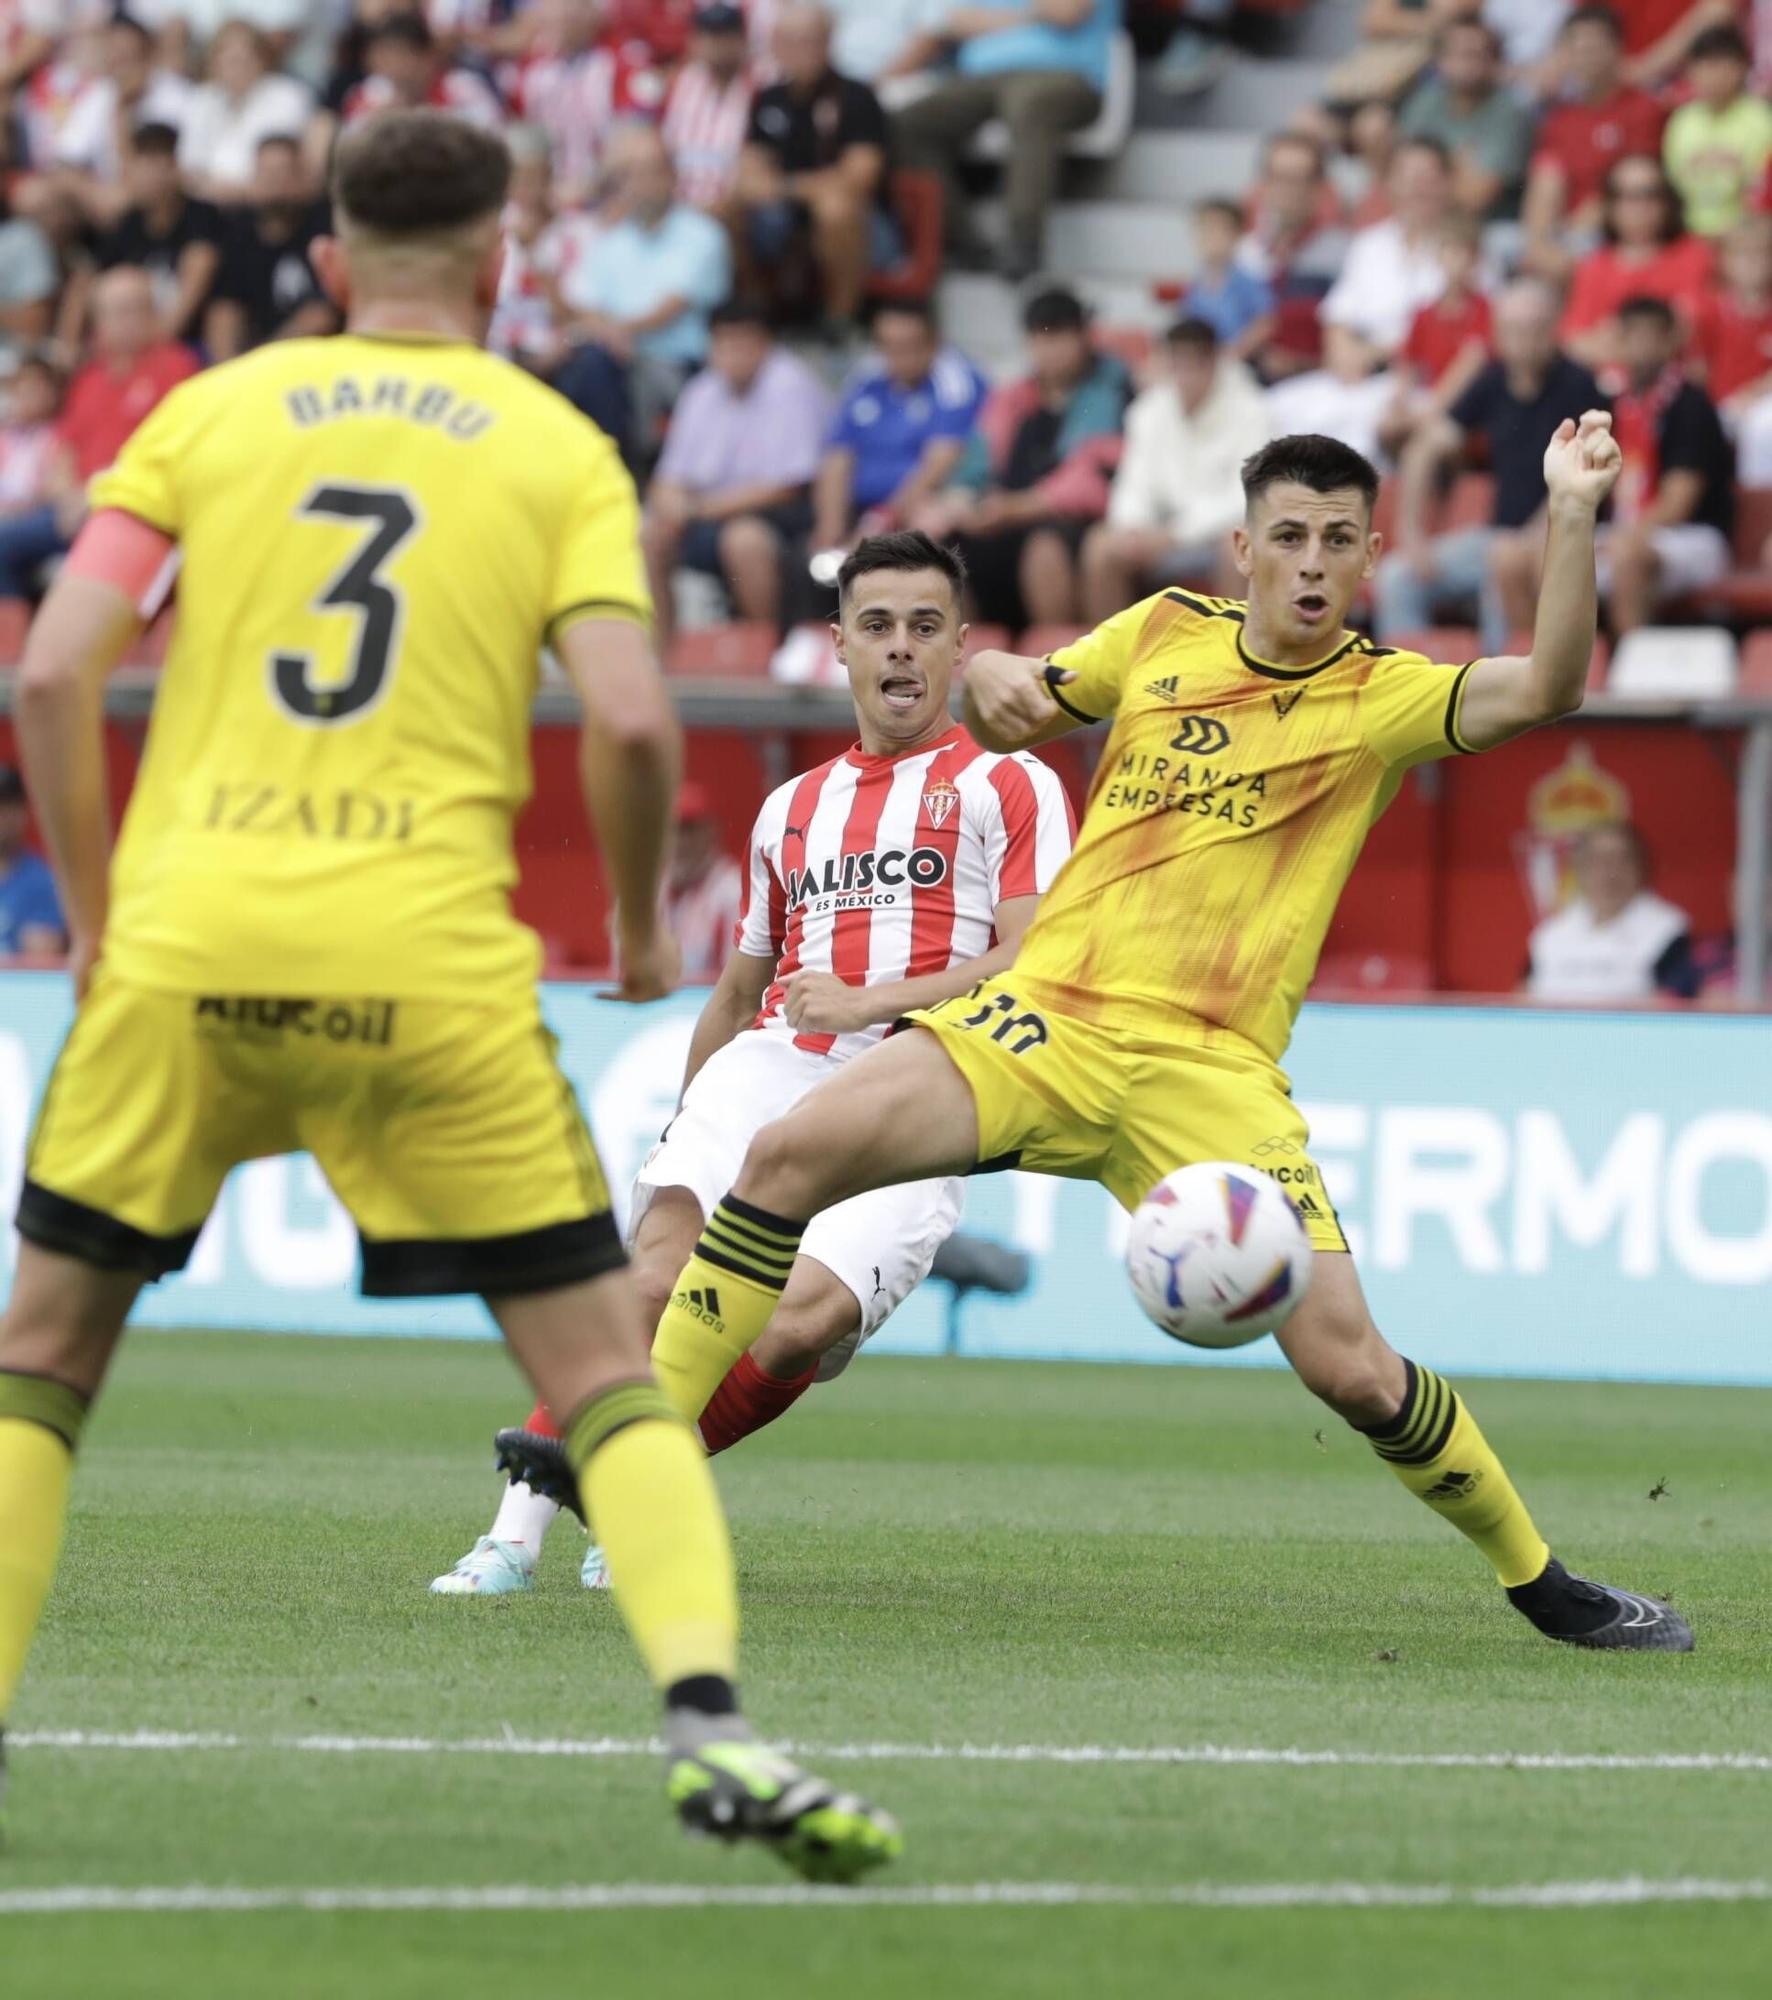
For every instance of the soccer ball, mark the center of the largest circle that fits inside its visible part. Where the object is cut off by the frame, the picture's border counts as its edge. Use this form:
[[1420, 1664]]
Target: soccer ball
[[1218, 1255]]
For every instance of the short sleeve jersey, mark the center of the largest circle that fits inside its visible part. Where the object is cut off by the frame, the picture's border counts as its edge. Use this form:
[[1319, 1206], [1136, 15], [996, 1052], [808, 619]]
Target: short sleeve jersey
[[377, 535], [1228, 808]]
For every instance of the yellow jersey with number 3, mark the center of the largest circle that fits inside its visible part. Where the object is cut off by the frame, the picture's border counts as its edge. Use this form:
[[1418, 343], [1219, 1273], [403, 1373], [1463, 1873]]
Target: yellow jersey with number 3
[[1228, 808], [377, 536]]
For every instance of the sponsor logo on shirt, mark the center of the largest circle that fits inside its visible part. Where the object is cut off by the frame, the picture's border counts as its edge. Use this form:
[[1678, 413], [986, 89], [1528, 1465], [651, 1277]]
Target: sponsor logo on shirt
[[857, 880]]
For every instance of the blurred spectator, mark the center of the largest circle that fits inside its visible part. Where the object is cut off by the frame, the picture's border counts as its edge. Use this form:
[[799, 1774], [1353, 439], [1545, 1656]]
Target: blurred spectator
[[1528, 31], [1037, 473], [903, 421], [1346, 398], [127, 92], [1646, 253], [1673, 511], [1599, 121], [1393, 268], [29, 281], [1179, 489], [131, 369], [1464, 104], [266, 288], [1718, 142], [175, 239], [1043, 75], [1732, 346], [189, 29], [244, 102], [703, 890], [708, 111], [1372, 146], [1658, 34], [1295, 245], [407, 67], [640, 296], [1449, 339], [29, 32], [1396, 44], [575, 90], [28, 436], [543, 248], [1511, 409], [1230, 298], [31, 921], [811, 178], [1615, 941], [733, 489]]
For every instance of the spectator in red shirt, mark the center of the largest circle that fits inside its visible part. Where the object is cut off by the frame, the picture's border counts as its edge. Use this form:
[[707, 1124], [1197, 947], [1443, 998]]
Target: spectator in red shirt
[[1449, 339], [1647, 254], [131, 369], [1602, 120], [1732, 346]]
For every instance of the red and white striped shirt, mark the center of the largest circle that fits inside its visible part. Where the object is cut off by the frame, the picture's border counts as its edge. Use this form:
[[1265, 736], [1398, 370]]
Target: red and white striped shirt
[[884, 868], [576, 99], [462, 91], [704, 126]]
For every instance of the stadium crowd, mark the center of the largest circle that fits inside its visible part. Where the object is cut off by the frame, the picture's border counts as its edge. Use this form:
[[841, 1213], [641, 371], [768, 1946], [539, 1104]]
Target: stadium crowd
[[725, 221]]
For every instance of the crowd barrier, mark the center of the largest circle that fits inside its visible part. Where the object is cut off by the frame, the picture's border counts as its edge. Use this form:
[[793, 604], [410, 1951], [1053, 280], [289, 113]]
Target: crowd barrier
[[1529, 1193]]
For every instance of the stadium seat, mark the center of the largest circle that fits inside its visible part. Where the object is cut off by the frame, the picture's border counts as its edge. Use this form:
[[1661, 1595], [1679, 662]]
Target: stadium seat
[[1755, 677], [1104, 138], [739, 651], [1133, 345], [15, 622], [1470, 504], [1746, 592], [917, 203], [1674, 663]]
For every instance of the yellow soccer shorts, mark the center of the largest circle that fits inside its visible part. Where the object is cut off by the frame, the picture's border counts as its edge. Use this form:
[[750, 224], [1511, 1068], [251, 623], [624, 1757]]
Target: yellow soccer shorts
[[447, 1130], [1060, 1096]]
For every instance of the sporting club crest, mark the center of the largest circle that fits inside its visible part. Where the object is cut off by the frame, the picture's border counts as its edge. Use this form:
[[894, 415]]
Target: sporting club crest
[[940, 800]]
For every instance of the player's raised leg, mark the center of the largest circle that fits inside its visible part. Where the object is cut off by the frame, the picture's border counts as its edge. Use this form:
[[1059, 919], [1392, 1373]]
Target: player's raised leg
[[56, 1340], [901, 1112], [1420, 1426]]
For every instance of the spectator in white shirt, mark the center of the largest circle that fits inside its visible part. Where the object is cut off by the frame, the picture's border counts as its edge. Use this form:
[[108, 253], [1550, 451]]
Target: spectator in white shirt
[[188, 29], [1179, 489], [128, 92], [244, 102], [1344, 399], [1617, 941], [1393, 268]]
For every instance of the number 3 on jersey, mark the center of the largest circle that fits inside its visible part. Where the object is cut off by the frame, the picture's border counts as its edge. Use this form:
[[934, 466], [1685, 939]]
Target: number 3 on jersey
[[358, 587]]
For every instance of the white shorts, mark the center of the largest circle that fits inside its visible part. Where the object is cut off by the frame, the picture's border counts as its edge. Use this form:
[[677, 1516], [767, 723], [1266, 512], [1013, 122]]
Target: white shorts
[[1693, 555], [880, 1245]]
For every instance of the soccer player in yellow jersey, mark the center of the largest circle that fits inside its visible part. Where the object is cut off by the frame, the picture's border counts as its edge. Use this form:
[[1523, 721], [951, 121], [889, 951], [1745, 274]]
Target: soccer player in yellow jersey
[[305, 939], [1142, 1024]]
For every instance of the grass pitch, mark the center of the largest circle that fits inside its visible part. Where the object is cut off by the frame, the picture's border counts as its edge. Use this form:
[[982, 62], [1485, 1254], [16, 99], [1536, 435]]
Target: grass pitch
[[934, 1554]]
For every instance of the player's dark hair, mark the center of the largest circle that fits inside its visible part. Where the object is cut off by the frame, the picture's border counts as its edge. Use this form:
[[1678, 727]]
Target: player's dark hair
[[909, 549], [1321, 464], [1723, 43], [154, 141], [1644, 305], [418, 173], [1199, 334], [1594, 16]]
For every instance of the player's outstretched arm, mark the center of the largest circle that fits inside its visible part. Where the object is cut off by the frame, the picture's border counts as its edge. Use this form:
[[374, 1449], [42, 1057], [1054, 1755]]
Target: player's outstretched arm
[[83, 630], [1505, 697], [630, 762], [1006, 701]]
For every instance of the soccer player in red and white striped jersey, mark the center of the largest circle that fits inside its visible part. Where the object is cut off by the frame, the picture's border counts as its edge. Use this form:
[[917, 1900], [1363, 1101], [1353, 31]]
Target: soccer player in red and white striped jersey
[[896, 875]]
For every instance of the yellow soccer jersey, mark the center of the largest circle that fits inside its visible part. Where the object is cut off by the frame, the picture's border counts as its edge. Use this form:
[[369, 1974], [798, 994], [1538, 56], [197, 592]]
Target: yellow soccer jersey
[[1227, 810], [377, 535]]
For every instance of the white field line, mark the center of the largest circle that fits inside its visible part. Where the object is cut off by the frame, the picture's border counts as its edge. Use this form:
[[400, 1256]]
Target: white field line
[[510, 1745], [1627, 1891]]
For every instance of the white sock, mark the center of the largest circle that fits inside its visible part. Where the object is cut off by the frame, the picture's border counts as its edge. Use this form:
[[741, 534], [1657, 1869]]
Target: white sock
[[524, 1516]]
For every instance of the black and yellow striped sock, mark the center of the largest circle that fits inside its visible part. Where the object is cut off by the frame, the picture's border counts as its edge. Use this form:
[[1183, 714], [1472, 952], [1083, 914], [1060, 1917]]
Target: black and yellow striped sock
[[40, 1425], [650, 1500], [726, 1296], [1434, 1447]]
